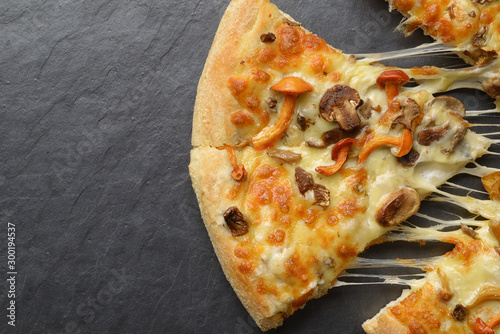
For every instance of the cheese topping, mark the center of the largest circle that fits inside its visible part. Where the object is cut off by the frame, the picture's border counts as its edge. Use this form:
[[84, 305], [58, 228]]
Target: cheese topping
[[468, 25], [295, 245], [304, 227]]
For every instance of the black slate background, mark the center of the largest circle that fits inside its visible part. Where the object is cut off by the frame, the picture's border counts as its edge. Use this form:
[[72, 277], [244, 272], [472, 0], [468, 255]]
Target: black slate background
[[96, 100]]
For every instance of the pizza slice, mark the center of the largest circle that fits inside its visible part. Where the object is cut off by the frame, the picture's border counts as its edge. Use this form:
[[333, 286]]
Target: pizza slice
[[461, 291], [470, 27], [304, 156]]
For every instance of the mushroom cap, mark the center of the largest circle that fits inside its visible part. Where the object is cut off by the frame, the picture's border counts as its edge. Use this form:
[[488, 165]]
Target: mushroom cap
[[292, 86], [492, 87], [396, 207], [450, 103], [392, 76], [340, 104]]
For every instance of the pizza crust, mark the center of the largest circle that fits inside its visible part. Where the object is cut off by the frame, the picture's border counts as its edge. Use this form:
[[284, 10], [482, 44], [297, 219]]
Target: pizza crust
[[240, 23], [212, 128], [211, 188], [384, 322]]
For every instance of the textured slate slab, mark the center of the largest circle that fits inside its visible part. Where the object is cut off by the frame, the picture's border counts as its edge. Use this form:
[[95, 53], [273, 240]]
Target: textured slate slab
[[96, 101]]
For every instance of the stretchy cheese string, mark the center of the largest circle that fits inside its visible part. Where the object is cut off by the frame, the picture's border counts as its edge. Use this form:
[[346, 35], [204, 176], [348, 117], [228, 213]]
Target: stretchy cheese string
[[379, 279], [479, 170], [428, 49], [493, 134], [412, 233], [445, 80], [479, 113]]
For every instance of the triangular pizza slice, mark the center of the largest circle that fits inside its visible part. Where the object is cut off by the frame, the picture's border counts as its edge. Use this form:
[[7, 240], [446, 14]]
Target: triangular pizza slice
[[304, 156], [470, 27], [460, 292]]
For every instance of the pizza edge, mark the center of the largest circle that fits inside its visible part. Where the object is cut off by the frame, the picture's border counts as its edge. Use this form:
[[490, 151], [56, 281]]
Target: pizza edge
[[207, 184], [211, 129], [210, 126], [384, 323]]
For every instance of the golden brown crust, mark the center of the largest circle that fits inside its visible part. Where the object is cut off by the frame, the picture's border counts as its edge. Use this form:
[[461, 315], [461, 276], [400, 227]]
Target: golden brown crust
[[417, 311], [384, 323], [212, 128], [239, 24], [211, 188]]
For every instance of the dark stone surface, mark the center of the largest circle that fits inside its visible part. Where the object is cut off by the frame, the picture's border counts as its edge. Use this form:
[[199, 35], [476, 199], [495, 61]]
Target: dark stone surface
[[96, 100]]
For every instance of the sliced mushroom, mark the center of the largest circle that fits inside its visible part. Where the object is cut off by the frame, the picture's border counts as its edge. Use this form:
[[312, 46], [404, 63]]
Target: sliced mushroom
[[454, 132], [268, 38], [321, 195], [492, 87], [459, 313], [449, 103], [365, 110], [272, 103], [410, 111], [478, 38], [316, 143], [458, 135], [235, 221], [335, 135], [303, 122], [467, 230], [285, 156], [428, 136], [398, 206], [480, 56], [304, 180], [409, 159], [443, 121], [339, 103]]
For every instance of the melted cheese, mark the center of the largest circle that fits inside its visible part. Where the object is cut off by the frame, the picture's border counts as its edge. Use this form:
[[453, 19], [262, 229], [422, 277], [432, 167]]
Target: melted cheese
[[464, 24], [318, 242], [294, 248]]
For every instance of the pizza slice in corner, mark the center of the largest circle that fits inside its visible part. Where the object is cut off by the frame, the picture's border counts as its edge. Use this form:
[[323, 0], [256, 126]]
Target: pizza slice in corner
[[304, 156], [470, 27], [460, 292]]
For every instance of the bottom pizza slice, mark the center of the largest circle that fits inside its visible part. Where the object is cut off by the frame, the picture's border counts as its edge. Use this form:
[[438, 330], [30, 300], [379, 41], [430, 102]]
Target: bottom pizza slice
[[460, 293]]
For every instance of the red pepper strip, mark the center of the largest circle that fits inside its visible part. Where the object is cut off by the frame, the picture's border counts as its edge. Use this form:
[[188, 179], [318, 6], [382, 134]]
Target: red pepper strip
[[481, 328], [340, 151], [239, 173], [405, 142]]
